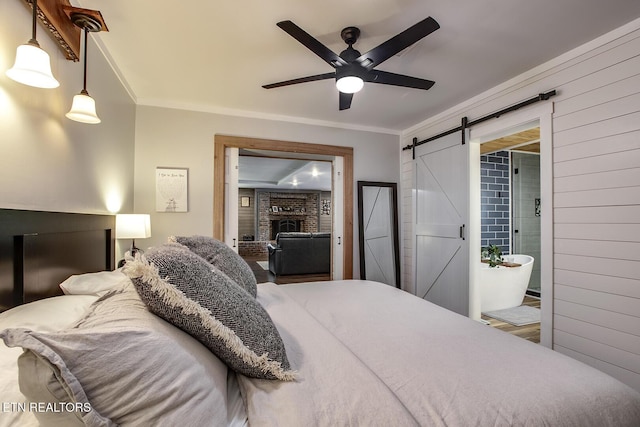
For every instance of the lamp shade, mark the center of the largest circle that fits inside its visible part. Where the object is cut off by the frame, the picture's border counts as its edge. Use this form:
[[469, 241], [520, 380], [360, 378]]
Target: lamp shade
[[83, 109], [133, 226], [32, 67], [349, 84]]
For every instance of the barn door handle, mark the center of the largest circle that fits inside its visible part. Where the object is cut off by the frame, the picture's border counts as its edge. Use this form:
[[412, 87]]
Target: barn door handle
[[234, 243], [462, 231], [338, 240]]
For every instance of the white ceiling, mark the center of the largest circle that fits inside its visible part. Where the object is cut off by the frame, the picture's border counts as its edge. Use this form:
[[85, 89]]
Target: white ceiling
[[215, 56], [283, 173]]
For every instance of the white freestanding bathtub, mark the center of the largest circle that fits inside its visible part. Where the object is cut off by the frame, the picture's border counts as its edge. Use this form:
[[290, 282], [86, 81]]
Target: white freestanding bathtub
[[504, 287]]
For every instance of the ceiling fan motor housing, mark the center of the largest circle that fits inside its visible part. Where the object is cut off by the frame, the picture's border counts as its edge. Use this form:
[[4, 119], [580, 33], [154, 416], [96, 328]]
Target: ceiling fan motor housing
[[350, 35], [354, 70]]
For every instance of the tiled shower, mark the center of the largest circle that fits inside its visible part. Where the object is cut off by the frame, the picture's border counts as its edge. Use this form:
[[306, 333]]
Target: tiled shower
[[514, 225]]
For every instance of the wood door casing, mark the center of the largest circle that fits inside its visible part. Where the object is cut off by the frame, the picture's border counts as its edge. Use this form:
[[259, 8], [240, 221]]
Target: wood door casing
[[221, 142]]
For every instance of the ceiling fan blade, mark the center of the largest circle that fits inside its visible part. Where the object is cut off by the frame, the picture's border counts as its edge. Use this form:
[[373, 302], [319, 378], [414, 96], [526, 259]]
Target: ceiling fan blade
[[301, 80], [384, 77], [345, 100], [398, 43], [312, 44]]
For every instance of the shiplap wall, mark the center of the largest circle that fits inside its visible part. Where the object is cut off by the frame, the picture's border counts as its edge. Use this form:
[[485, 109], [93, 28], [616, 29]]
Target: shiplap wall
[[596, 155], [596, 172]]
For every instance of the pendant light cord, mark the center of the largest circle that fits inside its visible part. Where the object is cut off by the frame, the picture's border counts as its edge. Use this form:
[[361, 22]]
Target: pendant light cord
[[84, 83], [33, 23]]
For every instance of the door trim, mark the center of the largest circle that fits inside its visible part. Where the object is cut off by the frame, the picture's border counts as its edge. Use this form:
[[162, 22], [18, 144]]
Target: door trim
[[221, 142]]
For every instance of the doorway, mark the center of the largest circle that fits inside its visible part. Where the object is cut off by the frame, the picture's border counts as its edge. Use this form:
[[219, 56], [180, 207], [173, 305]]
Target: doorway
[[342, 265], [539, 116], [280, 193]]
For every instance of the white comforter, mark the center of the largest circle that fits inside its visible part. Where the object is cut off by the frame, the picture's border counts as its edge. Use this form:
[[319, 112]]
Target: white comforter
[[371, 355]]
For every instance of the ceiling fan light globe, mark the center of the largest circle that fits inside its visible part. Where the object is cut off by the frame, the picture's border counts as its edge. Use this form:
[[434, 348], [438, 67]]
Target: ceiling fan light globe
[[349, 84]]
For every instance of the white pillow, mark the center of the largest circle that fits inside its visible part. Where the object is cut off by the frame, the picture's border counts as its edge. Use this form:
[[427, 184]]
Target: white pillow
[[94, 283], [50, 314], [132, 367]]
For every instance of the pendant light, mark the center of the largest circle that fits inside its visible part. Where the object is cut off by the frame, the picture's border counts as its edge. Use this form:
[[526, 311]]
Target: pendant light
[[83, 108], [33, 65]]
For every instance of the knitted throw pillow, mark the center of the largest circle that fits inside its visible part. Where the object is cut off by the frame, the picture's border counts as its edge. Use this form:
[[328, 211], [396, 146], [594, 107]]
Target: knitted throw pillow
[[187, 291], [222, 257]]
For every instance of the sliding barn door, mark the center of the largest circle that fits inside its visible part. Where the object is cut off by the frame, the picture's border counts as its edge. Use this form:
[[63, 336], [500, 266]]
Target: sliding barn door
[[441, 256]]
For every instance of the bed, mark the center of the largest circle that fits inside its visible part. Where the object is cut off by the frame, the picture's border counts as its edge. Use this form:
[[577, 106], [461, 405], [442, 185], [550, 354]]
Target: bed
[[178, 336]]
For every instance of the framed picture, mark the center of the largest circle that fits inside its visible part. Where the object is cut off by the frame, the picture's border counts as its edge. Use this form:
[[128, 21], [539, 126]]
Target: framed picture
[[325, 209], [274, 208], [245, 201], [172, 189]]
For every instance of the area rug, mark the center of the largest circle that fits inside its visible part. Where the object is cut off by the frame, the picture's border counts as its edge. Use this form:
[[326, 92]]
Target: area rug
[[263, 264], [517, 316]]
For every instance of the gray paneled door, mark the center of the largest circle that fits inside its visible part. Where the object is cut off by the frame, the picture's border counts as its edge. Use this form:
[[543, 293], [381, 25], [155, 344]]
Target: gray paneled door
[[440, 216]]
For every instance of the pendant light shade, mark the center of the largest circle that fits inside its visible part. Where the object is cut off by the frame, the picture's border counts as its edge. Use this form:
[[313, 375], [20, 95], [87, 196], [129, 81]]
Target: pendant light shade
[[33, 65], [83, 107]]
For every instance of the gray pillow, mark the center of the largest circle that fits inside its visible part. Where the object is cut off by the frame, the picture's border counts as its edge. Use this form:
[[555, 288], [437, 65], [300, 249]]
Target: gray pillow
[[121, 365], [223, 258], [187, 291]]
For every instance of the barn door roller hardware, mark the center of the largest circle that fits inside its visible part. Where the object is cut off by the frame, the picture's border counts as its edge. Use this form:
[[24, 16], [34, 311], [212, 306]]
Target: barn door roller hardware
[[467, 124]]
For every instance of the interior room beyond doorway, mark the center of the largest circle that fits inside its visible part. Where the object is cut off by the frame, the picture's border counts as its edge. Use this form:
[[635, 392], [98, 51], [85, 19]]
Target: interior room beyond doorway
[[510, 220], [342, 244], [284, 195]]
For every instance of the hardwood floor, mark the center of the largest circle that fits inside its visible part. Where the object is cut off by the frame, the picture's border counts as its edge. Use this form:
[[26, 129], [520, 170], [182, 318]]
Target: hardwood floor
[[263, 275], [528, 332]]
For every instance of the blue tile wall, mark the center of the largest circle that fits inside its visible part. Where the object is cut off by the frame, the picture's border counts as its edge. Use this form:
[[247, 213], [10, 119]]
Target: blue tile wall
[[494, 186]]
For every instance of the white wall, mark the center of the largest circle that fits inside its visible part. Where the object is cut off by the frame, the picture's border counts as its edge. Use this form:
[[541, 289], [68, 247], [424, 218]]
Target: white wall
[[48, 162], [596, 168], [178, 138]]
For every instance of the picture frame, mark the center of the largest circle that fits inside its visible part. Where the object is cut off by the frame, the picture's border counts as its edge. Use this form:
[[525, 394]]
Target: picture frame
[[245, 201], [274, 209], [172, 190], [325, 208]]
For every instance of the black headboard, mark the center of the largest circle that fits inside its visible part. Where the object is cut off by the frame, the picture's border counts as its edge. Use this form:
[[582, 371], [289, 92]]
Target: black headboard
[[38, 250]]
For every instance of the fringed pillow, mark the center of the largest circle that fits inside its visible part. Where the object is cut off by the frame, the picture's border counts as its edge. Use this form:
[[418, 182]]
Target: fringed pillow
[[187, 291], [223, 258]]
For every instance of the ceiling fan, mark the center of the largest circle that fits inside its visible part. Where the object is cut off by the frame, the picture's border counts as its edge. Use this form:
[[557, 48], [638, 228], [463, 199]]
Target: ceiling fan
[[353, 69]]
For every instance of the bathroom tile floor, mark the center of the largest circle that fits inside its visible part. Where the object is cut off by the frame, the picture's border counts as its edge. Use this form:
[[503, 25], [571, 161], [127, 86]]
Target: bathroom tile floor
[[528, 332]]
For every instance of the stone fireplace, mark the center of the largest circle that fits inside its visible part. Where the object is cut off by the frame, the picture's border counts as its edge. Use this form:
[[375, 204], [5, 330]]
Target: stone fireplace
[[272, 211], [285, 225], [298, 207]]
